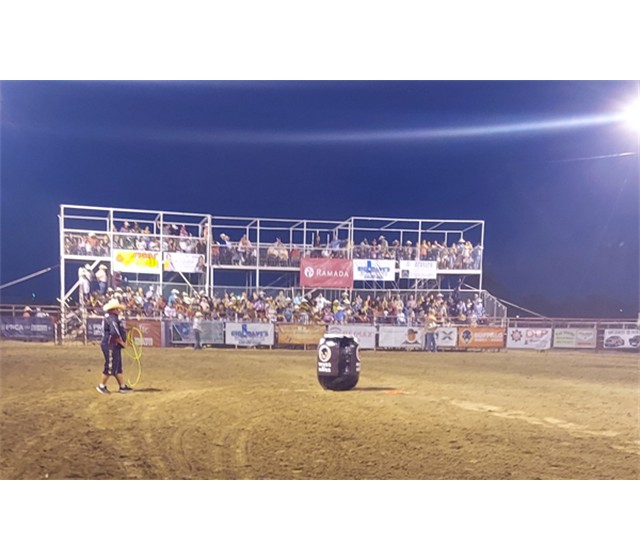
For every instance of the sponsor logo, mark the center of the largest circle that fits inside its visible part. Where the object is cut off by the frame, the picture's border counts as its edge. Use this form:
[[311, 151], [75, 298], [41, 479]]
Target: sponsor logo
[[309, 272], [614, 342], [374, 270], [244, 332], [537, 333], [516, 335], [467, 335], [324, 353], [444, 334]]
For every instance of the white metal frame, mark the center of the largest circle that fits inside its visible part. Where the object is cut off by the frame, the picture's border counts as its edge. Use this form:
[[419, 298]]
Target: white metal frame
[[262, 233]]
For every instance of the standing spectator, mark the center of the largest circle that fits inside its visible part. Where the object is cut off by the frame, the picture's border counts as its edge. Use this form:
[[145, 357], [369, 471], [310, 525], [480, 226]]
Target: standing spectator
[[102, 278], [197, 330], [84, 278], [432, 325], [116, 280]]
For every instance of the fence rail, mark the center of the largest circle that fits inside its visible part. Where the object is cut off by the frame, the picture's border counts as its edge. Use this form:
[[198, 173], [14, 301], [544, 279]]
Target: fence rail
[[516, 334]]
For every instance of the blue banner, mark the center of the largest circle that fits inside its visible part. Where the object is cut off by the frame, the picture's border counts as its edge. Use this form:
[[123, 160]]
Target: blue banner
[[19, 328], [182, 332]]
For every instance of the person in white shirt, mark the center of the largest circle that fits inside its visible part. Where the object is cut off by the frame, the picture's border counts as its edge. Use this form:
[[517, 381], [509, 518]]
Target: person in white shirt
[[197, 330]]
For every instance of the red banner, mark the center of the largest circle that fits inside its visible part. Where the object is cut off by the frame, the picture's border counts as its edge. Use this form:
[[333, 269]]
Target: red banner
[[150, 331], [326, 273]]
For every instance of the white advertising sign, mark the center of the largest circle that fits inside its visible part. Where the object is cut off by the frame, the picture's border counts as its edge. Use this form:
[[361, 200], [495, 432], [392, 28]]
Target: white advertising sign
[[621, 338], [366, 334], [184, 262], [249, 334], [574, 338], [447, 337], [529, 338], [400, 337], [419, 269], [382, 270]]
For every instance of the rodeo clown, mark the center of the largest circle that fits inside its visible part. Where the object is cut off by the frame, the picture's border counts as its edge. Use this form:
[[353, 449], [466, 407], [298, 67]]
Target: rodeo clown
[[113, 341]]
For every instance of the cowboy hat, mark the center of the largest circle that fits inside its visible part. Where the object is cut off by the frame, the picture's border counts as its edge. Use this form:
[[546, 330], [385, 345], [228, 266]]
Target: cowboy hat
[[112, 304]]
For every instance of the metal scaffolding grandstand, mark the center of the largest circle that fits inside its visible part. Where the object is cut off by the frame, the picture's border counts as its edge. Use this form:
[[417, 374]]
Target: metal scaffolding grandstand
[[164, 248], [161, 251]]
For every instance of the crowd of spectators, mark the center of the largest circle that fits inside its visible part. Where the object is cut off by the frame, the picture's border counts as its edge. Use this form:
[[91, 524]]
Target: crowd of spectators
[[460, 255], [132, 237], [451, 309]]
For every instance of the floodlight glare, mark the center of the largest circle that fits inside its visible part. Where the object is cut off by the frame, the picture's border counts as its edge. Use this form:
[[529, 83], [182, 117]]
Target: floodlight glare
[[631, 116]]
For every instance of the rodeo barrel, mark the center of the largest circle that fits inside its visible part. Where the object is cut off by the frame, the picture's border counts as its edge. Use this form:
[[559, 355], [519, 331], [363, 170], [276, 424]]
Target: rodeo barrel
[[338, 362]]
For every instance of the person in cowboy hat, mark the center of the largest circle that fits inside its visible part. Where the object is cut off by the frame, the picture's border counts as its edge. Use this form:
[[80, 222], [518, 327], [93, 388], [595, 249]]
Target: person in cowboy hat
[[111, 345], [197, 330]]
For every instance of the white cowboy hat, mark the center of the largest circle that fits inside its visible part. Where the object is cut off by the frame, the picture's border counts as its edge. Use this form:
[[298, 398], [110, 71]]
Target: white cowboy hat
[[112, 304], [198, 314]]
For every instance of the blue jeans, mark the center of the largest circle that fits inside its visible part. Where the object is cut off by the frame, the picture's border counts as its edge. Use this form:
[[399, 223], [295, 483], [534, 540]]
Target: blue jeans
[[431, 342]]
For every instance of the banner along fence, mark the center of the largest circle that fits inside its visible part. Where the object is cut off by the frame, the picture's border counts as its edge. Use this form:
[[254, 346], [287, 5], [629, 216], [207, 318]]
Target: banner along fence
[[518, 335]]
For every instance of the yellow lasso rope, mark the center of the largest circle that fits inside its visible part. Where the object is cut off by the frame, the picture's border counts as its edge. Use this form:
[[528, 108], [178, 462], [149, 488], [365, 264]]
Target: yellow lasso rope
[[134, 351]]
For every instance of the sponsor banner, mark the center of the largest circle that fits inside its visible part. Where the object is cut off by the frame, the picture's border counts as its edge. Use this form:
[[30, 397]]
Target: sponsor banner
[[144, 262], [446, 337], [381, 270], [293, 333], [401, 337], [574, 338], [622, 338], [151, 332], [481, 337], [184, 262], [95, 328], [419, 269], [181, 332], [529, 338], [249, 334], [326, 273], [20, 328], [365, 334]]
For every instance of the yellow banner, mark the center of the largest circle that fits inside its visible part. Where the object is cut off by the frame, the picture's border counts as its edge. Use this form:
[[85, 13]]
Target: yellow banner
[[137, 261]]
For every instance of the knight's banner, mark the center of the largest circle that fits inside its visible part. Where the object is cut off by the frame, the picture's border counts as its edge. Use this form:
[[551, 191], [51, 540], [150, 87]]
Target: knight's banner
[[144, 262]]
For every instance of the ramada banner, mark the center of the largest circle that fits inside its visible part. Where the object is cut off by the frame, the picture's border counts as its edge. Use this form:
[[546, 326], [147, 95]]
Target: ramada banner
[[326, 273]]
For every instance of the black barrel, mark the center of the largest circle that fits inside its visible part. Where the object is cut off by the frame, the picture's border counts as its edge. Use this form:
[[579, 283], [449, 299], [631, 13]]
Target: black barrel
[[338, 362]]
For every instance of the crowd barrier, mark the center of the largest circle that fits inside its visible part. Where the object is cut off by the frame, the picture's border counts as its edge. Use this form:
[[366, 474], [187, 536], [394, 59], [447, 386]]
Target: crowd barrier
[[371, 337]]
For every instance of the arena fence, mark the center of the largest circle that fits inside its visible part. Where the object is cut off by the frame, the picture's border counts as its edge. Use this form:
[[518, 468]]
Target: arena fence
[[516, 334]]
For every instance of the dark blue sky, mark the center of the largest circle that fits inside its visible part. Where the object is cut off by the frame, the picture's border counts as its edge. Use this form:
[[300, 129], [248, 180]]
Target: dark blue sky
[[547, 165]]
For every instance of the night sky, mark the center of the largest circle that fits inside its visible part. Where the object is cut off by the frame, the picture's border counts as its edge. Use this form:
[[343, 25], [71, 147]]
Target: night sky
[[548, 165]]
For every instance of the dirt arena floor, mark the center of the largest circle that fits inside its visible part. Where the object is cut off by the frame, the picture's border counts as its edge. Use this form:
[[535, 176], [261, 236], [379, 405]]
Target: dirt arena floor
[[223, 414]]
